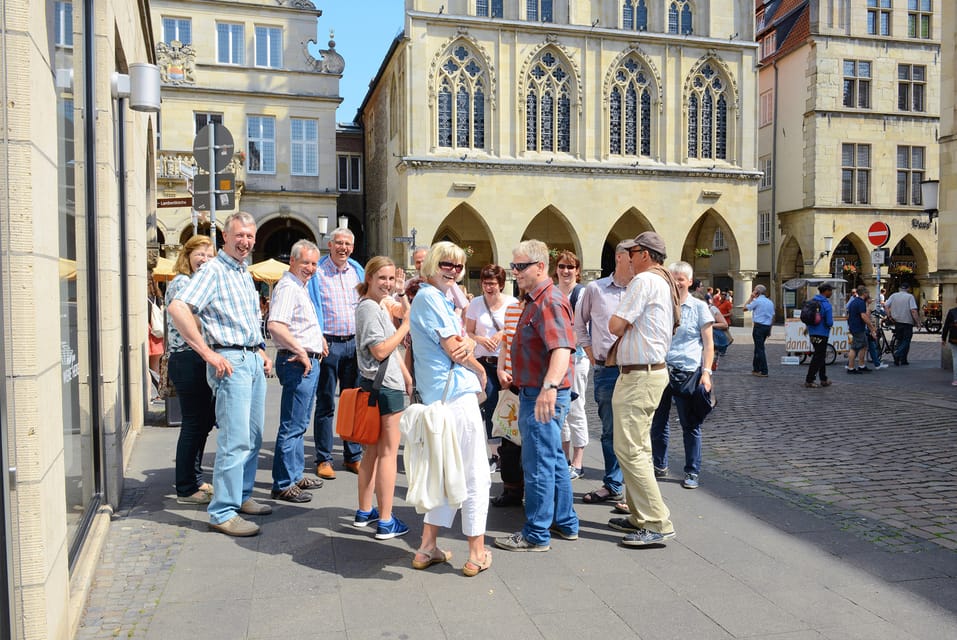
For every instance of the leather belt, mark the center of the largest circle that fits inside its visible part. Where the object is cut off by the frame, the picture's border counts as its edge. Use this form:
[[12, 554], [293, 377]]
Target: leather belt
[[236, 347], [332, 338], [599, 363], [488, 359], [310, 354], [628, 368]]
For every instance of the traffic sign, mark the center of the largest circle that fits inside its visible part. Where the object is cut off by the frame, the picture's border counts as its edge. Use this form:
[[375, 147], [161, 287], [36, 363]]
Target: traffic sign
[[877, 257], [878, 234], [167, 203], [222, 146], [225, 192]]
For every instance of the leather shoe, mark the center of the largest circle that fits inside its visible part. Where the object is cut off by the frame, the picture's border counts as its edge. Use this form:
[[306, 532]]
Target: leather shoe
[[253, 508], [292, 493], [507, 500], [325, 470], [351, 466], [235, 526]]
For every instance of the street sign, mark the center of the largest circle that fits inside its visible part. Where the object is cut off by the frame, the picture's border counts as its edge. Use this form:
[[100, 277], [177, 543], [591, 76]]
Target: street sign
[[222, 146], [878, 234], [166, 203], [225, 192], [187, 170], [877, 257], [405, 239]]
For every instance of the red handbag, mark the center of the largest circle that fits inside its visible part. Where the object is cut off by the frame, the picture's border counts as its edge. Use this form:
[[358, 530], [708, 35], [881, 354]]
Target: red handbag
[[357, 417]]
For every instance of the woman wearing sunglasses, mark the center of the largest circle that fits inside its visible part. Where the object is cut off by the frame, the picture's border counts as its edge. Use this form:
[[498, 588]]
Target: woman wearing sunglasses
[[444, 360], [575, 431]]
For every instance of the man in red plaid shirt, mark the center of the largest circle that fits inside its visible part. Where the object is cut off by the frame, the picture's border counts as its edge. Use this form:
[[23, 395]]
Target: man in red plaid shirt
[[544, 398]]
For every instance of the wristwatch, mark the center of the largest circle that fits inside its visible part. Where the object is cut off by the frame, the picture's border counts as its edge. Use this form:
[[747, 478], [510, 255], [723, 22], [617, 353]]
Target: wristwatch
[[550, 385]]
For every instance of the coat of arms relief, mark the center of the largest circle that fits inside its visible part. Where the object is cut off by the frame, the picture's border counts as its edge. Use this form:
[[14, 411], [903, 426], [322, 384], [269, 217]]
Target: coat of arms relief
[[176, 62]]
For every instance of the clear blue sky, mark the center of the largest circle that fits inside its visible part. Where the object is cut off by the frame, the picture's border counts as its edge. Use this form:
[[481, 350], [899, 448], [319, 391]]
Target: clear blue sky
[[364, 30]]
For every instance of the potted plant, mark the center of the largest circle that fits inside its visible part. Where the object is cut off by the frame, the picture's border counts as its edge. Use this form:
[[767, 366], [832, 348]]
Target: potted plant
[[702, 253]]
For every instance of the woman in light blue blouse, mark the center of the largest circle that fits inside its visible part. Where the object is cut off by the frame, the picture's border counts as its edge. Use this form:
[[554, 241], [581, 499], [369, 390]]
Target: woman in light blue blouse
[[187, 372]]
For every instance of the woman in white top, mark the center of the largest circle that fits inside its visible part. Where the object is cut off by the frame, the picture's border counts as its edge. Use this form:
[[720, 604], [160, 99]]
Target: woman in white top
[[575, 429], [484, 323]]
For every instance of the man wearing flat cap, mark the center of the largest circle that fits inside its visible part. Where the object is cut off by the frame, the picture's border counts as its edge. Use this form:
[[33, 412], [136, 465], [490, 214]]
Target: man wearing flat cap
[[645, 322], [818, 334]]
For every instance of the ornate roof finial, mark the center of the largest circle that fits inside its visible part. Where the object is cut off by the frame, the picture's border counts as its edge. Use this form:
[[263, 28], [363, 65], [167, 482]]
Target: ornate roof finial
[[332, 38]]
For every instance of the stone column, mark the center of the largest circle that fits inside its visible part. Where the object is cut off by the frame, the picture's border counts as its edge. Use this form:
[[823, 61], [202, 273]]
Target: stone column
[[743, 284]]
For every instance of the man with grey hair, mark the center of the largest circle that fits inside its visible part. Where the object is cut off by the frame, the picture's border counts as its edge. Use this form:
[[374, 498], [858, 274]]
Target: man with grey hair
[[223, 296], [762, 317], [333, 293], [902, 307], [295, 329]]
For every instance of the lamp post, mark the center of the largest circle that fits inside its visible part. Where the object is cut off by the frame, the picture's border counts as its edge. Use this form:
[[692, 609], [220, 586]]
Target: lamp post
[[929, 192]]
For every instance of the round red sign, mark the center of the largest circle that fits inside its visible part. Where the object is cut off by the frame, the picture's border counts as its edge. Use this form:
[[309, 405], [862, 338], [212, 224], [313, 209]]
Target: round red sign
[[879, 233]]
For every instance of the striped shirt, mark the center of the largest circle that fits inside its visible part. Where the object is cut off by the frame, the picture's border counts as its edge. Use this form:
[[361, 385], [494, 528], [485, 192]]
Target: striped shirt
[[337, 287], [223, 295], [545, 325], [290, 305], [647, 305], [512, 314], [595, 307]]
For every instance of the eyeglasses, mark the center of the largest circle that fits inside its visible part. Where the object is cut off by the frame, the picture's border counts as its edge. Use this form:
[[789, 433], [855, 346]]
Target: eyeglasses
[[490, 283], [567, 267], [451, 266], [635, 250], [520, 266]]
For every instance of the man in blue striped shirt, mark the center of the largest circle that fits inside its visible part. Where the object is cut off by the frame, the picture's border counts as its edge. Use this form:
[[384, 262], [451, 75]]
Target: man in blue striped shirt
[[224, 298]]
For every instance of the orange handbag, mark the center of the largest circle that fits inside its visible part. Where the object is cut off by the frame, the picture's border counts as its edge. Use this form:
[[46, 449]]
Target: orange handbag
[[357, 418]]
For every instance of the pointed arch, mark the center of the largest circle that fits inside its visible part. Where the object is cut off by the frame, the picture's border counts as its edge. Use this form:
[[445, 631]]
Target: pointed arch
[[854, 252], [790, 259], [548, 96], [461, 94], [467, 228], [552, 227], [712, 234], [710, 110], [632, 97], [628, 225]]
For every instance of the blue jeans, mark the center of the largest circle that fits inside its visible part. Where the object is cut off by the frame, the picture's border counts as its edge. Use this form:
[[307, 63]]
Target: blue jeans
[[904, 331], [873, 350], [187, 371], [760, 333], [240, 412], [338, 368], [295, 407], [604, 379], [492, 387], [691, 432], [548, 487]]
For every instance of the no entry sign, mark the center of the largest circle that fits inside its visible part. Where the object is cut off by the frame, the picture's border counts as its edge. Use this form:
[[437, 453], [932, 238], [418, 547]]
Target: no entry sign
[[879, 233]]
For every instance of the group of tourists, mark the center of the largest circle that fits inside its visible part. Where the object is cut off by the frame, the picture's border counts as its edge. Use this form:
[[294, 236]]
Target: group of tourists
[[338, 325]]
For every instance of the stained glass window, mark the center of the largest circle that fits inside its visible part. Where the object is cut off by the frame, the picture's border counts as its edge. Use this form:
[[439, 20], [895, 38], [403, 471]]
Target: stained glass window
[[539, 10], [461, 75], [679, 16], [630, 110], [482, 8], [548, 106], [708, 116]]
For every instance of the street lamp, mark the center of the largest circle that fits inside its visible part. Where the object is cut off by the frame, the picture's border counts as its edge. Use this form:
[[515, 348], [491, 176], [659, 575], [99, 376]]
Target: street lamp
[[929, 192], [323, 226], [343, 222], [828, 242]]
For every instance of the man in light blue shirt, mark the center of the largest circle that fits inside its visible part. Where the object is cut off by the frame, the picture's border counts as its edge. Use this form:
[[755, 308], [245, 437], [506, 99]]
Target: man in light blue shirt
[[762, 317]]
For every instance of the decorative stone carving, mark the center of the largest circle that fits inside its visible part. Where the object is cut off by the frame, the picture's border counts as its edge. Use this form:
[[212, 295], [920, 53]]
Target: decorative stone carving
[[330, 61], [176, 62]]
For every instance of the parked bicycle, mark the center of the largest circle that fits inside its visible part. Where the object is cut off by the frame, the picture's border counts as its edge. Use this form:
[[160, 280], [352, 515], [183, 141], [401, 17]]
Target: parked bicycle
[[933, 316], [883, 324]]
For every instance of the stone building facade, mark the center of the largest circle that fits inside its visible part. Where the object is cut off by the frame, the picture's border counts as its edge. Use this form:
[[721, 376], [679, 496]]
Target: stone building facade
[[847, 129], [77, 187], [254, 67], [577, 123], [947, 223]]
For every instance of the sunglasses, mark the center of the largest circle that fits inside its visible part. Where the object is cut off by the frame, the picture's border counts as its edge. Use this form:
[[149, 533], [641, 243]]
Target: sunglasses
[[451, 266], [635, 250], [567, 267], [520, 266]]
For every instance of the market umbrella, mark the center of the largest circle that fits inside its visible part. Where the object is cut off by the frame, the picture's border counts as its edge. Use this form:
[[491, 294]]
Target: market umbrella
[[164, 269], [268, 270]]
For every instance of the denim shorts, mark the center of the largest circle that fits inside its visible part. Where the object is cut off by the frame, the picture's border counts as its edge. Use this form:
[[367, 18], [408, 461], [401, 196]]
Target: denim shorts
[[390, 400], [859, 341]]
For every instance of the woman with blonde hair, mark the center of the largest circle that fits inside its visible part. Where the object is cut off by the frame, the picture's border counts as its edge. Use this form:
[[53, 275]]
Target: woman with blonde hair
[[377, 342], [187, 372], [444, 365]]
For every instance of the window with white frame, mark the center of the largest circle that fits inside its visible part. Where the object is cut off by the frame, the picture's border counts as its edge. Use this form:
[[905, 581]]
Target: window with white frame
[[489, 8], [918, 18], [910, 173], [769, 44], [180, 29], [679, 17], [766, 113], [719, 241], [269, 47], [857, 84], [304, 147], [230, 43], [63, 24], [911, 87], [767, 175], [201, 119], [634, 15], [855, 173], [261, 144], [349, 172], [764, 227], [539, 10], [879, 17]]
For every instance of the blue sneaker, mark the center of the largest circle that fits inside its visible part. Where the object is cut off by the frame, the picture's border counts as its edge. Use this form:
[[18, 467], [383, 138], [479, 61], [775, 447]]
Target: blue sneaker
[[390, 529], [365, 518], [690, 481]]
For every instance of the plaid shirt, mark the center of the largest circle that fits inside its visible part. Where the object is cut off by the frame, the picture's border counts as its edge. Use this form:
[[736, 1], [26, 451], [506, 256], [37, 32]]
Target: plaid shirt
[[223, 295], [291, 306], [337, 288], [545, 325]]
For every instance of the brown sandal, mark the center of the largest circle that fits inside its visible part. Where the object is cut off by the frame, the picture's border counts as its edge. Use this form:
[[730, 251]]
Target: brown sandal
[[435, 556], [473, 568]]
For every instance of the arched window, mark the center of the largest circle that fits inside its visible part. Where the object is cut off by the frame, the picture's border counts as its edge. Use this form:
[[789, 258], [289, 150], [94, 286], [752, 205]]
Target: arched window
[[462, 88], [708, 115], [482, 8], [548, 105], [679, 16], [634, 15], [629, 113]]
